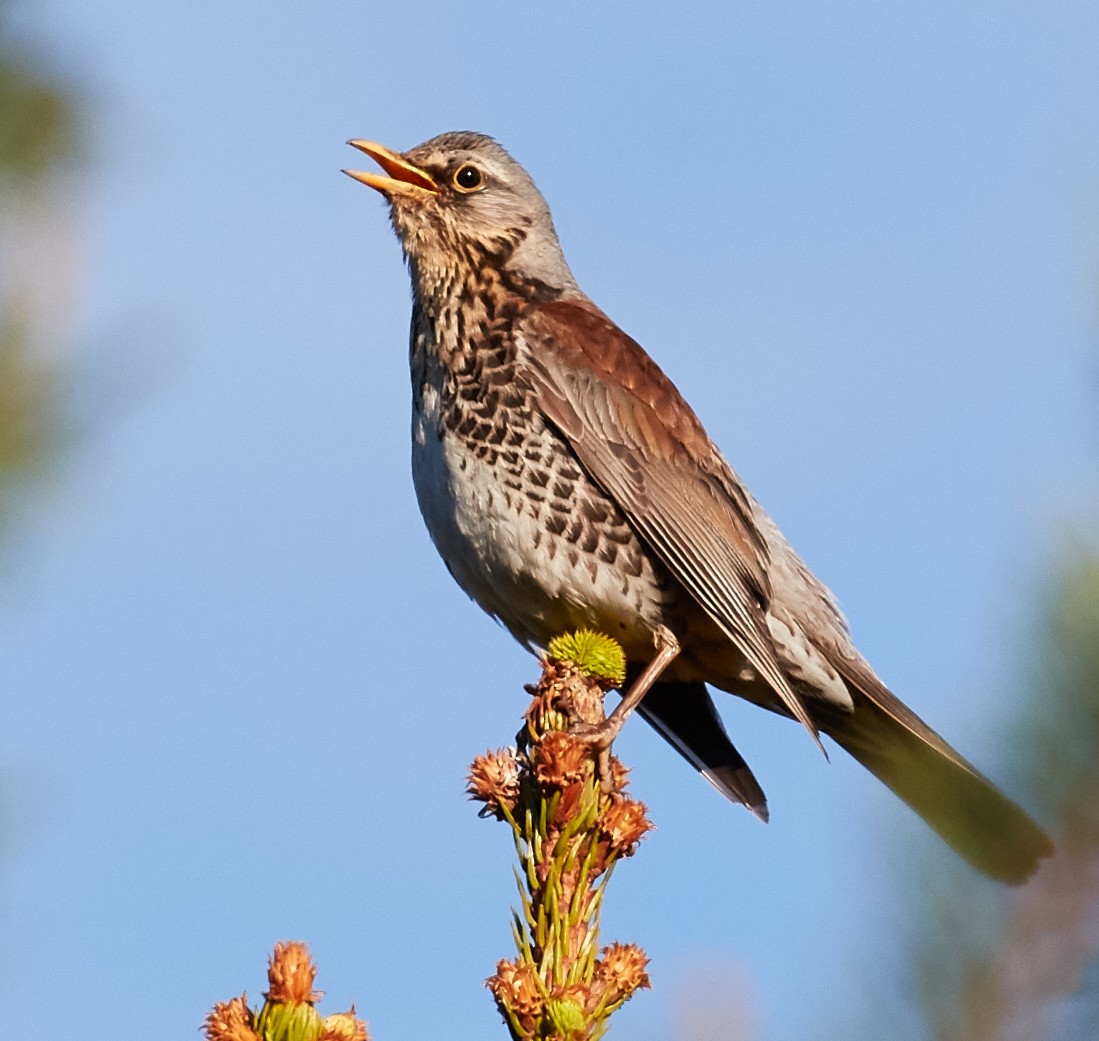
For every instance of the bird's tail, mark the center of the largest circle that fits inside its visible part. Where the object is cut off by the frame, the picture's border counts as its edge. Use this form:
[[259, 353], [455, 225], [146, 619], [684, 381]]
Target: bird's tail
[[969, 812], [684, 715]]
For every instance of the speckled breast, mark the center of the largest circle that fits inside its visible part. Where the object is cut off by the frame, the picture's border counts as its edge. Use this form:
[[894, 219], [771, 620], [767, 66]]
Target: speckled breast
[[521, 527]]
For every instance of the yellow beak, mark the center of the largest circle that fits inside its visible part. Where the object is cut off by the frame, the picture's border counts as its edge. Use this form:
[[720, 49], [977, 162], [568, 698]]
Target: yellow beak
[[404, 178]]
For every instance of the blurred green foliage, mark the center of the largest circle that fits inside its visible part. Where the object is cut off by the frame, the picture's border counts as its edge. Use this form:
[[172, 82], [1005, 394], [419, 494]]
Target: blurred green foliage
[[38, 135], [1023, 965], [27, 399], [36, 120], [1058, 742]]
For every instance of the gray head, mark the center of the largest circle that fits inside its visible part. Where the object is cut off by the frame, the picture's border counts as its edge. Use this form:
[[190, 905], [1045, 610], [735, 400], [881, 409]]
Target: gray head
[[461, 199]]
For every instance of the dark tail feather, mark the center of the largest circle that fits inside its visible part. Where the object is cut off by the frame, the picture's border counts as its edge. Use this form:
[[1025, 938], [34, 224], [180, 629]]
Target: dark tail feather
[[685, 716], [965, 808]]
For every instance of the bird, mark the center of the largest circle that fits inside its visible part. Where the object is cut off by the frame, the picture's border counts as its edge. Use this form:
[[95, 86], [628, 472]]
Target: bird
[[567, 484]]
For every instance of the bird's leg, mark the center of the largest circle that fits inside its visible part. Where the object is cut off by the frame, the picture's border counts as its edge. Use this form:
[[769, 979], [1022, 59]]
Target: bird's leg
[[601, 735]]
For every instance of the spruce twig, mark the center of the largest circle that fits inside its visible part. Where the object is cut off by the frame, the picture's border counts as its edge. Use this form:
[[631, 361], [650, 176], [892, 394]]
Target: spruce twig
[[570, 826]]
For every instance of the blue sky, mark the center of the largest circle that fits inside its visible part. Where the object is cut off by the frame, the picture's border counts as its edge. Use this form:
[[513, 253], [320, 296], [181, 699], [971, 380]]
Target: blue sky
[[240, 692]]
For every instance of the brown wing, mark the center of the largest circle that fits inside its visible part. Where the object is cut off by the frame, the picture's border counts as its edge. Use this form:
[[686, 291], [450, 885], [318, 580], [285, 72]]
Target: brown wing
[[641, 443]]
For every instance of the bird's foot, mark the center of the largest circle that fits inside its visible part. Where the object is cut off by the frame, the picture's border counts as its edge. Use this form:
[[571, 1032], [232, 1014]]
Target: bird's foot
[[600, 736], [597, 736]]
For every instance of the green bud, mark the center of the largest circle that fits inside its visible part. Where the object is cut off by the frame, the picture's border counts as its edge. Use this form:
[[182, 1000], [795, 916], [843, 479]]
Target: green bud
[[592, 653], [299, 1021], [566, 1015]]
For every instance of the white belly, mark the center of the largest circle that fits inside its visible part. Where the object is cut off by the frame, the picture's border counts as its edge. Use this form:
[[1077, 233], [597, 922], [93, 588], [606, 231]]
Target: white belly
[[497, 547]]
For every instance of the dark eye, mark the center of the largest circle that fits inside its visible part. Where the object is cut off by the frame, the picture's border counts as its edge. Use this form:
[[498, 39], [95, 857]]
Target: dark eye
[[468, 178]]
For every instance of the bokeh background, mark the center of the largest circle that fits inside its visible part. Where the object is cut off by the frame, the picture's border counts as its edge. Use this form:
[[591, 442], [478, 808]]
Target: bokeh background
[[238, 692]]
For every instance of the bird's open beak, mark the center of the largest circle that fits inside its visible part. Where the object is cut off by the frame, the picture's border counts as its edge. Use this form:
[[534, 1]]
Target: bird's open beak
[[404, 179]]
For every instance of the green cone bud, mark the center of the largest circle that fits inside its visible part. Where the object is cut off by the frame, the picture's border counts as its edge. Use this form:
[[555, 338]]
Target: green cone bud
[[295, 1022], [592, 653], [566, 1015]]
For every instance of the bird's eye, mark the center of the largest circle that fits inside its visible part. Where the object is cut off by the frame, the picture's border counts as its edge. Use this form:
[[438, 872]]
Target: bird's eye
[[468, 178]]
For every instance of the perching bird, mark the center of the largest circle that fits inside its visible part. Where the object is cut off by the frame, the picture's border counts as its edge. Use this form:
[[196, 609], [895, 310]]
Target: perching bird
[[567, 484]]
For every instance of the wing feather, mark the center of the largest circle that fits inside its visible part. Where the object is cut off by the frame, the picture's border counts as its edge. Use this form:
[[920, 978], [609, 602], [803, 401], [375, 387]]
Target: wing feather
[[640, 442]]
